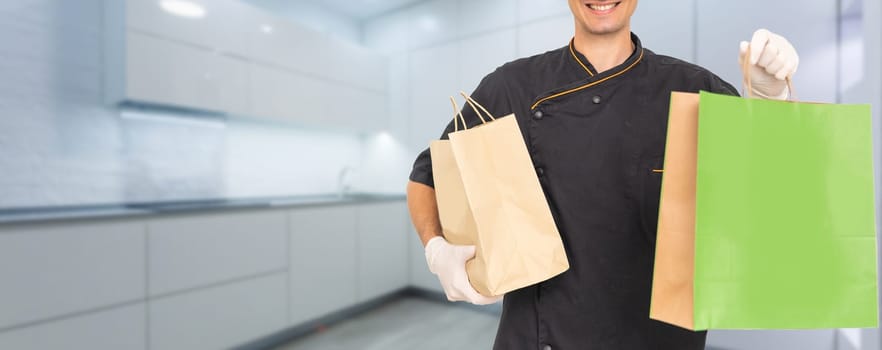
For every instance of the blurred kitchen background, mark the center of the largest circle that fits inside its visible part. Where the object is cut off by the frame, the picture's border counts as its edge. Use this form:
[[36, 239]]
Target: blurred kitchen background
[[210, 174]]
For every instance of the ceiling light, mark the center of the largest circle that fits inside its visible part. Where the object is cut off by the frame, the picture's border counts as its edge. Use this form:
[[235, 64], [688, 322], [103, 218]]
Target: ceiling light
[[183, 8], [266, 28]]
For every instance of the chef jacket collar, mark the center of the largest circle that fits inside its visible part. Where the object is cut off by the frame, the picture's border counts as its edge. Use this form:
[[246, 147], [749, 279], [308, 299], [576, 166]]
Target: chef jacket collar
[[586, 65], [593, 78]]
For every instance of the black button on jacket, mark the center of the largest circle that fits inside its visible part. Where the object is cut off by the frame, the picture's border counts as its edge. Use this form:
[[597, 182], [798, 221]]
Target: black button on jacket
[[595, 139]]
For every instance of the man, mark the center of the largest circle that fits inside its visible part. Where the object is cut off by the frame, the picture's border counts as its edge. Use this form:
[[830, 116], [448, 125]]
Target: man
[[594, 116]]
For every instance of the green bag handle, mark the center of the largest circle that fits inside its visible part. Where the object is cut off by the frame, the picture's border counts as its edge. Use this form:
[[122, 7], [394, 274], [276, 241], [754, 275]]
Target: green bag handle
[[745, 69]]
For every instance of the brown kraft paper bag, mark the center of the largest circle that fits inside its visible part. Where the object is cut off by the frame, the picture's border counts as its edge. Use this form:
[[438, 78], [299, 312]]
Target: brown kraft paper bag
[[516, 241]]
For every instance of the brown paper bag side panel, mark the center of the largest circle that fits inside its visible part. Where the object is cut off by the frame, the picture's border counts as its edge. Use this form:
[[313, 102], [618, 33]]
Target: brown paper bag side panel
[[672, 287], [457, 222]]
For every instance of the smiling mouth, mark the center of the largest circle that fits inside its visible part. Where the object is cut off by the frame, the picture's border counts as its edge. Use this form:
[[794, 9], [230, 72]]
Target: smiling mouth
[[603, 7]]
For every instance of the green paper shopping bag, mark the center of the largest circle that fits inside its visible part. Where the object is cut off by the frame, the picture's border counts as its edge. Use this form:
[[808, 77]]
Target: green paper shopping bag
[[784, 226]]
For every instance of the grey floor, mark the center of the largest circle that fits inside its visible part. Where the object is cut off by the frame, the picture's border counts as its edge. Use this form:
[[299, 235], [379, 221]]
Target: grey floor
[[407, 323]]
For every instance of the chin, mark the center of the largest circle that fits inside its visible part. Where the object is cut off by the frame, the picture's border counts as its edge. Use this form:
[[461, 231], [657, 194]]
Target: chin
[[604, 29]]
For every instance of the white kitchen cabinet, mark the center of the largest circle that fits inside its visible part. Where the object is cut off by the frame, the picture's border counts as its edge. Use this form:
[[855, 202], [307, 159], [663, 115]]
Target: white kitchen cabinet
[[240, 60], [398, 99], [285, 45], [495, 49], [482, 16], [531, 10], [388, 33], [722, 24], [159, 71], [656, 32], [282, 44], [225, 25], [55, 270], [434, 77], [544, 35], [356, 66], [118, 328], [192, 251], [316, 102], [356, 109], [382, 249], [323, 261], [432, 22], [286, 96], [220, 317]]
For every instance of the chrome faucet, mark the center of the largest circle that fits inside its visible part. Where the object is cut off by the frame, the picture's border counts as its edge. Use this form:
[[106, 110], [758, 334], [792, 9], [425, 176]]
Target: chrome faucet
[[344, 179]]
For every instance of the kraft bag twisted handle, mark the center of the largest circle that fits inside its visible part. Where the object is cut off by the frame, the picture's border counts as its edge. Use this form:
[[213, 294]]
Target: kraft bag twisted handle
[[475, 105], [457, 116]]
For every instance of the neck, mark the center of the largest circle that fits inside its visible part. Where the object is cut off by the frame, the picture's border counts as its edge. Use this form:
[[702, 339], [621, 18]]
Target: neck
[[605, 51]]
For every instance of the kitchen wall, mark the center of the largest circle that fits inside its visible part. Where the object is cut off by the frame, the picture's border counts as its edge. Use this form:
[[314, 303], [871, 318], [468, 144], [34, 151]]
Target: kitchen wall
[[62, 145], [870, 89]]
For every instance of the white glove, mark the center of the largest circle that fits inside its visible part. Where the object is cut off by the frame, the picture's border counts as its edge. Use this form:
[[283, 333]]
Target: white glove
[[448, 262], [772, 60]]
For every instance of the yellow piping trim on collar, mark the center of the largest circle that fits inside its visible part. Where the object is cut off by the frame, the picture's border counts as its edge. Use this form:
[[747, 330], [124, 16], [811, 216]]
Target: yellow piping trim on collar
[[573, 52], [589, 84]]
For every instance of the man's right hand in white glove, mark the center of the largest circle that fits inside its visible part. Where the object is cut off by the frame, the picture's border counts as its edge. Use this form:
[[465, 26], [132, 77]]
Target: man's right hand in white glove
[[448, 262]]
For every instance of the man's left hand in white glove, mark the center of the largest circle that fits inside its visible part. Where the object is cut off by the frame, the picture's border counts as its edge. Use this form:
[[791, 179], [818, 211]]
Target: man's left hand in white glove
[[772, 61], [448, 262]]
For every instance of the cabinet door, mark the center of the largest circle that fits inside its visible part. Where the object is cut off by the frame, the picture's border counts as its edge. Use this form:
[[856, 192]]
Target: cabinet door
[[355, 109], [495, 48], [382, 249], [54, 270], [656, 32], [117, 328], [195, 251], [323, 261], [183, 76], [722, 24], [433, 77], [220, 317], [224, 25], [289, 46], [369, 72], [282, 95], [544, 35]]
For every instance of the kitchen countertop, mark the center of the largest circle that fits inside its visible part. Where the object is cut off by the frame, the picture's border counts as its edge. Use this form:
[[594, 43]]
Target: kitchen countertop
[[110, 211]]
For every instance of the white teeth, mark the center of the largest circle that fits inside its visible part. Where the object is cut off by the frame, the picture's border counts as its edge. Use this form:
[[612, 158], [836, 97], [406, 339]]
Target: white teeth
[[601, 7]]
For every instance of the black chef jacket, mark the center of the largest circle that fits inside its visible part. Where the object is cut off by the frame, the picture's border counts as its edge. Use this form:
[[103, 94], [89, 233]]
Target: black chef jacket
[[597, 142]]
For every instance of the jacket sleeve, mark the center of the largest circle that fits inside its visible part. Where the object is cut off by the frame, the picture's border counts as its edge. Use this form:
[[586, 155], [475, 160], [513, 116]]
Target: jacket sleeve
[[490, 93], [717, 85]]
